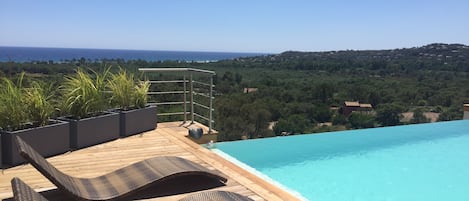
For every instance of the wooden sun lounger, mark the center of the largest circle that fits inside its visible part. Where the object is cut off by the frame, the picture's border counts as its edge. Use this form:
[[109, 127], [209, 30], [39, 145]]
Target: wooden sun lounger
[[22, 192], [119, 183]]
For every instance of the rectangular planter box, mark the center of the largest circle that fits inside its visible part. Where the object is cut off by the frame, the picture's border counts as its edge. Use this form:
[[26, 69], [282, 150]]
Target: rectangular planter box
[[93, 130], [47, 140], [137, 121]]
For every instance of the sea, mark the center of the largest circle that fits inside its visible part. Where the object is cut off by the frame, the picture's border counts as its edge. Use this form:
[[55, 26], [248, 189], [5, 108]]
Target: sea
[[35, 54]]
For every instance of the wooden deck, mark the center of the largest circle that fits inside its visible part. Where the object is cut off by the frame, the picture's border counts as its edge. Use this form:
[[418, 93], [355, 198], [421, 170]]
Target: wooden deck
[[168, 139]]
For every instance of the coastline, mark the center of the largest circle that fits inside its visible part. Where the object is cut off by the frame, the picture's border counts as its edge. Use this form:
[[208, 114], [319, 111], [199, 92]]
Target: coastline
[[41, 54]]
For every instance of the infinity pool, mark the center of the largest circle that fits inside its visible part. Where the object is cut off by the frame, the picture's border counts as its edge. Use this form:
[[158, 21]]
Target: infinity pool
[[401, 163]]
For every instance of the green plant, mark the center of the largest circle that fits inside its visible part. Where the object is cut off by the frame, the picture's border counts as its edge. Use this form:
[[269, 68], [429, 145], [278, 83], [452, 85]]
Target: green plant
[[83, 95], [37, 99], [22, 107], [141, 91], [126, 93], [13, 111], [122, 86]]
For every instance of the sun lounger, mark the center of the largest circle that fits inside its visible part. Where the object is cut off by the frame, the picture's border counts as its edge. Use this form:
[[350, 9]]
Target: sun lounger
[[22, 192], [119, 183]]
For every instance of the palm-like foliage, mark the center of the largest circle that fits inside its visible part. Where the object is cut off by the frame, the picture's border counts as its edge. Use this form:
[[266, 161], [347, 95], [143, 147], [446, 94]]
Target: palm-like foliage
[[83, 95], [37, 99], [22, 107], [141, 91], [126, 94], [13, 110], [122, 86]]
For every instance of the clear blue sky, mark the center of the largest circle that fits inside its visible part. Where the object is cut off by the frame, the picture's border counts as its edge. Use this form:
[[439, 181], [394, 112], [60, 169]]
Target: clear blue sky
[[267, 26]]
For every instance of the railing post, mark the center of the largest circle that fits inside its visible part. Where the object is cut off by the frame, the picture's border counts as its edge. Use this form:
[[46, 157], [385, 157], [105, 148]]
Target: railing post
[[211, 103], [192, 99], [185, 99]]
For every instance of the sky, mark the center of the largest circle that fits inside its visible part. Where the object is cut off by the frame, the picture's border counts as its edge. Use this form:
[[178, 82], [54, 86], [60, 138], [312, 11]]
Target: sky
[[261, 26]]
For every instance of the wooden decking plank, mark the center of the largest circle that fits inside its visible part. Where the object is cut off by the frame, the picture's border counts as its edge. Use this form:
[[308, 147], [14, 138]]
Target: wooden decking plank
[[167, 139], [246, 178]]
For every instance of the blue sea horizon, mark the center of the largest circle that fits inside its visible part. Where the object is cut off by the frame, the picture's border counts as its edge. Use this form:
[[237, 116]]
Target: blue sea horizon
[[32, 54]]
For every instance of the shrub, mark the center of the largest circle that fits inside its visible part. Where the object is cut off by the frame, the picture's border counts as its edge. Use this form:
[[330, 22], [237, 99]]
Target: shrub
[[83, 95], [126, 94], [22, 107], [37, 99], [141, 91], [122, 87], [13, 110]]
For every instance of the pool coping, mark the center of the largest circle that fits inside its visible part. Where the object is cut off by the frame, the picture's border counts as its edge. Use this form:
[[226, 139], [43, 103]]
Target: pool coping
[[258, 173]]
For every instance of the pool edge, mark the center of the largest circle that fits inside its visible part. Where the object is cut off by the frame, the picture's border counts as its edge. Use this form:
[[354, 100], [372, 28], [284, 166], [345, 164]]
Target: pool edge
[[257, 173]]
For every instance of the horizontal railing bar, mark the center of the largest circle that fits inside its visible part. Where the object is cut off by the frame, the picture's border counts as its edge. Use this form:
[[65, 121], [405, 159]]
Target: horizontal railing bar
[[201, 94], [197, 87], [202, 117], [169, 103], [171, 113], [176, 70], [203, 106], [203, 83], [168, 81], [165, 92]]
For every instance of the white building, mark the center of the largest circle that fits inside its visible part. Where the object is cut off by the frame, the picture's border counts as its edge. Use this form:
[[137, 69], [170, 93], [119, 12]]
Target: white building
[[466, 111]]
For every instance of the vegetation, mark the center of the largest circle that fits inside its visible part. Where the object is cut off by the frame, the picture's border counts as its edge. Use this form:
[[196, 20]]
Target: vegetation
[[140, 94], [122, 87], [83, 95], [24, 107], [302, 90], [38, 99], [126, 92], [13, 111]]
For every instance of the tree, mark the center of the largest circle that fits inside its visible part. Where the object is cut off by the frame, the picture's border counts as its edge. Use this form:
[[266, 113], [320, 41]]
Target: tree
[[339, 119], [361, 120], [419, 117], [299, 123], [258, 119], [451, 113], [281, 126], [324, 92], [294, 124], [237, 116], [388, 114], [322, 113]]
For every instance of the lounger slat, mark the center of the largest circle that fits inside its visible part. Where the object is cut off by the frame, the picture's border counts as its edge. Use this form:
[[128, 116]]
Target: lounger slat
[[23, 192]]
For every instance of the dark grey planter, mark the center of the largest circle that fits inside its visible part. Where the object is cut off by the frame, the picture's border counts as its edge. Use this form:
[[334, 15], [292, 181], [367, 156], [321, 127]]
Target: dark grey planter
[[137, 121], [48, 140], [93, 130]]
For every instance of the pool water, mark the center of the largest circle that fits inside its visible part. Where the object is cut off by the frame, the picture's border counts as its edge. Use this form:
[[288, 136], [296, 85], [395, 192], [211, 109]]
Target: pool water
[[400, 163]]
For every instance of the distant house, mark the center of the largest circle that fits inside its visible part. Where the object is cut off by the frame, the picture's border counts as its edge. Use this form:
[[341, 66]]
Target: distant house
[[355, 106], [249, 90], [466, 111]]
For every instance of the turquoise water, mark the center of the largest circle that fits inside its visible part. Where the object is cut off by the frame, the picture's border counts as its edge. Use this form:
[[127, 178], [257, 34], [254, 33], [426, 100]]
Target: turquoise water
[[401, 163]]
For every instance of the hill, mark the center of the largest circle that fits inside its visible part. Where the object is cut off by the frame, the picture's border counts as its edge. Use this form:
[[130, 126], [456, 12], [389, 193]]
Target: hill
[[437, 56]]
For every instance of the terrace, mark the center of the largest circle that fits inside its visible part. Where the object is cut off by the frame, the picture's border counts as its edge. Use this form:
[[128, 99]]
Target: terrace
[[169, 139]]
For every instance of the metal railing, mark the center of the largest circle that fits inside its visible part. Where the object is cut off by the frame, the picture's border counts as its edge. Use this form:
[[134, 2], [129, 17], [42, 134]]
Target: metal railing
[[184, 77]]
